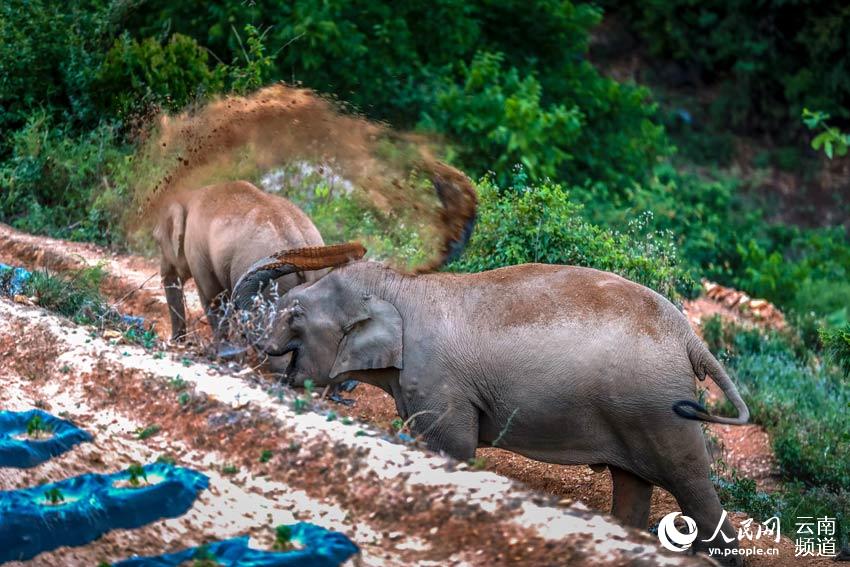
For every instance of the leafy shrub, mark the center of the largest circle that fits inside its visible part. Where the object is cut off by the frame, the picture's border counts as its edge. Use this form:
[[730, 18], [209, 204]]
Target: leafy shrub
[[801, 402], [64, 185], [771, 58], [506, 82], [135, 74], [540, 223], [76, 295], [836, 343], [803, 405], [501, 117]]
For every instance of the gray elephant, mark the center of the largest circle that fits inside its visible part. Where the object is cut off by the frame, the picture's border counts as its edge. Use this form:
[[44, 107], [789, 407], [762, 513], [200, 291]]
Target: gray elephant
[[561, 364]]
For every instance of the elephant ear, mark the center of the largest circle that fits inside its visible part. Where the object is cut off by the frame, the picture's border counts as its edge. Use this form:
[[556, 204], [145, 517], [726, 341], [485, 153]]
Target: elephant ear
[[373, 340], [171, 229]]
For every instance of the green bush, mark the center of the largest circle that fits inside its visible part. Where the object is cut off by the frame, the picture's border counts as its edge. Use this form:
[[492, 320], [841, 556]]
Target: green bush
[[64, 185], [836, 344], [136, 74], [505, 82], [803, 404], [540, 223], [771, 59], [591, 129]]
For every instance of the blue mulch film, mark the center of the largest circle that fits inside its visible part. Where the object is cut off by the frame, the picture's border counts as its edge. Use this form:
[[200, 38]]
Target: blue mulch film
[[88, 506], [12, 279], [346, 386], [19, 451], [319, 548]]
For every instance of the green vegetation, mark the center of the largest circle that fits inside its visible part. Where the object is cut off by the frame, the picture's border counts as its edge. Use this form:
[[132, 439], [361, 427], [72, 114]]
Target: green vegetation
[[54, 496], [266, 456], [137, 475], [148, 432], [282, 538], [766, 60], [802, 402], [36, 427], [540, 223]]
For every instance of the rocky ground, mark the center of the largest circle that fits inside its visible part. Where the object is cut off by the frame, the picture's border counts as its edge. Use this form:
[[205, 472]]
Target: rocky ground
[[402, 505]]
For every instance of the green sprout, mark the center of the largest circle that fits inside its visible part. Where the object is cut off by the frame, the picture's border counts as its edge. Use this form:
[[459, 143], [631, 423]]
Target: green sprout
[[36, 427], [397, 424], [148, 432], [136, 472], [54, 495], [204, 558], [229, 469], [283, 538], [266, 456]]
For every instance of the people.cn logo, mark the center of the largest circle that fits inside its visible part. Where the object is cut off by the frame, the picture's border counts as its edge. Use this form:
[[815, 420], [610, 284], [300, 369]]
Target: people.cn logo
[[670, 536]]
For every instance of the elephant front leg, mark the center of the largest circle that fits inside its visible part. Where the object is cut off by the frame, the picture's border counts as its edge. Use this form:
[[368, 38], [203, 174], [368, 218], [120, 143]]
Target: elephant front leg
[[176, 302], [448, 428]]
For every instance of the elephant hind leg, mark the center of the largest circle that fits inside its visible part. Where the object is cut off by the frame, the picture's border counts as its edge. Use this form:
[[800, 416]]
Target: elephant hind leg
[[632, 497]]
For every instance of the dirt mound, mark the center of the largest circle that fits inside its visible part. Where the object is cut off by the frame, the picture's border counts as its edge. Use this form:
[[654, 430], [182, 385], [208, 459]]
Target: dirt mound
[[238, 137]]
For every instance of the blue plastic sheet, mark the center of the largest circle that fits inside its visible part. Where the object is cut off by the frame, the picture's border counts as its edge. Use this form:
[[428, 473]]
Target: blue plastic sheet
[[12, 279], [320, 548], [346, 386], [91, 505], [60, 436]]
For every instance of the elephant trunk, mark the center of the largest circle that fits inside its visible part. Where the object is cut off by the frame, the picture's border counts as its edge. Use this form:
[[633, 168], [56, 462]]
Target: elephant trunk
[[289, 261]]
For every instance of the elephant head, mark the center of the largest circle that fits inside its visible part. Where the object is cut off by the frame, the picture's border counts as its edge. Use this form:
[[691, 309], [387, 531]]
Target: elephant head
[[328, 329]]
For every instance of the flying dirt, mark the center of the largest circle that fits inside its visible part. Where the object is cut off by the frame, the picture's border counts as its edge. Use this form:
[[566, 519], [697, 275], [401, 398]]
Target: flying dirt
[[238, 137]]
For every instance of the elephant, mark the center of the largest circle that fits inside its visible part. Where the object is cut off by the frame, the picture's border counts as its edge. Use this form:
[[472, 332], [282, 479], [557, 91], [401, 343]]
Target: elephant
[[215, 234], [562, 364]]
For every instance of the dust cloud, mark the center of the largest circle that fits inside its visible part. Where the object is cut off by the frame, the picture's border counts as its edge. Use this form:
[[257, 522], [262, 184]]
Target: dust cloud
[[241, 137]]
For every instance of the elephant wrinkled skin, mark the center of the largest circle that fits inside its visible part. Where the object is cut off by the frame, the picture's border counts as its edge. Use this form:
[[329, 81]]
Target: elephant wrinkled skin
[[561, 364]]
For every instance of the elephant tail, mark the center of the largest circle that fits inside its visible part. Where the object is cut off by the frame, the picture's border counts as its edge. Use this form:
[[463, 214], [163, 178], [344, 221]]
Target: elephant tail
[[704, 363]]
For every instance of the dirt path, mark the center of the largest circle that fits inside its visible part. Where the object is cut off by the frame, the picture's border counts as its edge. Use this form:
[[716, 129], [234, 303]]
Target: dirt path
[[746, 448]]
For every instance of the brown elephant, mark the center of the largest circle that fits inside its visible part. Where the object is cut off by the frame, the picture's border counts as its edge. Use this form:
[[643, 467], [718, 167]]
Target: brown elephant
[[215, 234]]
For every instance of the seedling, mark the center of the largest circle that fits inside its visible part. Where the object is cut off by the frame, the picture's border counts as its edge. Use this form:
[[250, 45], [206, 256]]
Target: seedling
[[104, 564], [397, 424], [54, 496], [204, 558], [266, 456], [346, 421], [148, 432], [283, 538], [177, 383], [65, 369], [186, 362], [229, 469], [183, 398], [137, 472], [299, 405], [167, 459], [478, 463], [331, 416], [302, 403], [159, 355], [36, 427]]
